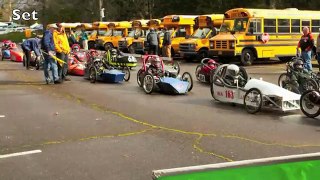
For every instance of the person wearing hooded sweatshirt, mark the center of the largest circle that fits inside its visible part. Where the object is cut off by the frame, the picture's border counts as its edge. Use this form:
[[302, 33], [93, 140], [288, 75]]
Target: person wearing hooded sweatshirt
[[49, 62], [153, 41], [62, 47], [31, 44]]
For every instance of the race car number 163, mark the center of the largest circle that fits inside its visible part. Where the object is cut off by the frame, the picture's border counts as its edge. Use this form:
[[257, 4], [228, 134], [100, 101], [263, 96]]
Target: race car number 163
[[229, 94]]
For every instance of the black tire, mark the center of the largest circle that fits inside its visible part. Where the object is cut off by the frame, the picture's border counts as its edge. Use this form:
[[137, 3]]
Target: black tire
[[126, 71], [212, 92], [131, 50], [108, 46], [93, 73], [187, 77], [259, 105], [139, 77], [198, 69], [148, 83], [247, 57], [310, 84], [282, 78], [202, 54], [91, 45], [306, 105]]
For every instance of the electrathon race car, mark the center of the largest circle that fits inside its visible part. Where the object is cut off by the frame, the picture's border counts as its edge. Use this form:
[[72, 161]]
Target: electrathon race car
[[153, 76], [254, 94]]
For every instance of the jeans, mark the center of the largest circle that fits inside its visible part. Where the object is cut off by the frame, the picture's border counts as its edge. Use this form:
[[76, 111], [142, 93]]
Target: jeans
[[153, 49], [50, 64], [306, 56], [63, 68], [28, 57]]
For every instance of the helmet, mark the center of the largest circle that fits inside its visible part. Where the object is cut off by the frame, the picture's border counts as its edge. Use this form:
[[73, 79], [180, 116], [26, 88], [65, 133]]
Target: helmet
[[233, 70], [298, 65], [76, 48], [211, 61], [314, 97], [155, 62], [114, 52]]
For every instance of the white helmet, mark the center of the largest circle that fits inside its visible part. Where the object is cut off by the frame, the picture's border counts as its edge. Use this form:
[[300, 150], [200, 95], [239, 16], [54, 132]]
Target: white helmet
[[233, 70]]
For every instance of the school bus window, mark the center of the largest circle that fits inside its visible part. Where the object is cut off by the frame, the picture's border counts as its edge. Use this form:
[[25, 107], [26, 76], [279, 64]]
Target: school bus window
[[270, 26], [305, 23], [201, 33], [283, 26], [255, 26], [181, 32], [315, 25], [240, 24], [226, 26], [295, 25]]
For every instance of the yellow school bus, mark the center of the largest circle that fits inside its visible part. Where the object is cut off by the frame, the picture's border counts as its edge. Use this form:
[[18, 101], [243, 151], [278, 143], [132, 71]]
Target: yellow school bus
[[99, 29], [197, 46], [138, 44], [250, 34], [139, 29], [116, 30], [180, 26]]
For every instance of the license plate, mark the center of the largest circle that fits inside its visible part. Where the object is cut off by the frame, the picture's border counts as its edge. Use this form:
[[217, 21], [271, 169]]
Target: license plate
[[219, 52]]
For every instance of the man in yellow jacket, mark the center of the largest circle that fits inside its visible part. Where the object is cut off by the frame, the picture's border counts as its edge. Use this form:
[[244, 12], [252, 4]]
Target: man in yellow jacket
[[62, 50]]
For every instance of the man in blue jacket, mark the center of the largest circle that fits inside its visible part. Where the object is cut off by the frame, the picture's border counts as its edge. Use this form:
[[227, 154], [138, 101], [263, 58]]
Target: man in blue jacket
[[49, 62], [32, 44]]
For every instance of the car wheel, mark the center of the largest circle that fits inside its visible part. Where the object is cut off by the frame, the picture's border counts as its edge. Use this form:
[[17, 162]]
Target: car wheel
[[212, 92], [197, 73], [93, 73], [108, 46], [308, 108], [253, 100], [247, 57], [139, 77], [187, 77], [284, 78], [126, 72], [310, 84], [148, 83]]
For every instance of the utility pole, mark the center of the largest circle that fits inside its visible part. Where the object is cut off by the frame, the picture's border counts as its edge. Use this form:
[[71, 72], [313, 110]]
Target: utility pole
[[101, 10]]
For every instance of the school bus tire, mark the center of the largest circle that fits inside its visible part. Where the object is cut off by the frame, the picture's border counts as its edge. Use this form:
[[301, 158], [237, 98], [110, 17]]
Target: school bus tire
[[248, 56], [203, 53], [108, 46]]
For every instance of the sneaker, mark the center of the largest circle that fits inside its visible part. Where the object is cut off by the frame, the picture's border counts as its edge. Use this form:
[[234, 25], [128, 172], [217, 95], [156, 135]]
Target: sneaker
[[57, 82], [49, 81], [67, 79]]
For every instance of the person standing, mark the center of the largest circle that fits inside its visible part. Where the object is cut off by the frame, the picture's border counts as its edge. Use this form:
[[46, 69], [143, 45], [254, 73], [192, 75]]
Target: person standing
[[49, 63], [153, 41], [84, 38], [62, 50], [306, 44], [166, 43], [31, 44], [318, 49]]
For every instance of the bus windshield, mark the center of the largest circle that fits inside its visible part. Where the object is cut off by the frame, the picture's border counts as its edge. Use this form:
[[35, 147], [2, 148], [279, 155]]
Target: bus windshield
[[136, 33], [237, 25], [201, 33]]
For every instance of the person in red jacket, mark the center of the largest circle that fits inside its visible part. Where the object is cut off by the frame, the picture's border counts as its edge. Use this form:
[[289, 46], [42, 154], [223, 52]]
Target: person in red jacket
[[306, 45]]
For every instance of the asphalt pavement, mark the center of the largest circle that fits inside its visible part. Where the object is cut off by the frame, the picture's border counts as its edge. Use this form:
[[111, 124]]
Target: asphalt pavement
[[116, 131]]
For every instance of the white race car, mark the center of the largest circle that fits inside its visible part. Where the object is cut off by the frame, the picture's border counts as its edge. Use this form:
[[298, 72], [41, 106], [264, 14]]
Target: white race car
[[253, 93]]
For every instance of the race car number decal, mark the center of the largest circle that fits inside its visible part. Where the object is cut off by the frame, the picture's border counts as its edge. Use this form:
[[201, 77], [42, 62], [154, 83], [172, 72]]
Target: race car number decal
[[229, 94]]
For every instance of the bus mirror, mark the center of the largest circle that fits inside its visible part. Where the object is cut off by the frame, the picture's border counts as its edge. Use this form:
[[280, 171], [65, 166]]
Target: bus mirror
[[251, 30]]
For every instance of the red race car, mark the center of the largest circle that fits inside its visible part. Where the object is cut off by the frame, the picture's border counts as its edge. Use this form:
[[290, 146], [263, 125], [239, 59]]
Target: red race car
[[11, 52], [206, 69], [77, 60]]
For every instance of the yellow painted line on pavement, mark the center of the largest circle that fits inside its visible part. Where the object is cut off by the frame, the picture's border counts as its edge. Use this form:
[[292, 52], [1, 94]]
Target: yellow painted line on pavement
[[196, 144]]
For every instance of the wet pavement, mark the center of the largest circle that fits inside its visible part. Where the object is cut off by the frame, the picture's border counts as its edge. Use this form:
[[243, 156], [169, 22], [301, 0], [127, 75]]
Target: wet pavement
[[116, 131]]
